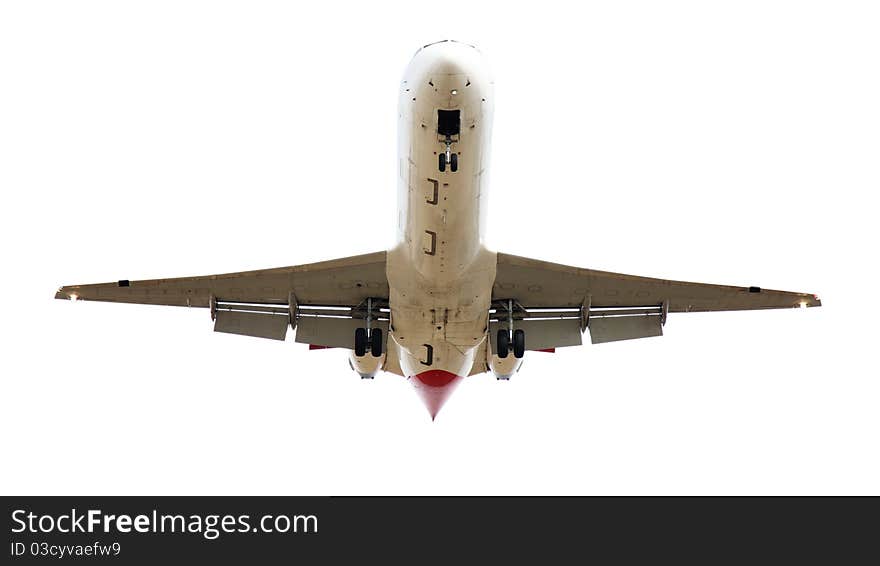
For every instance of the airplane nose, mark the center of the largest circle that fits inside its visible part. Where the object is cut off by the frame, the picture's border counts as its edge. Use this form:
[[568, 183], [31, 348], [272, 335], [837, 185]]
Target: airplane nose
[[450, 57], [448, 65], [434, 387]]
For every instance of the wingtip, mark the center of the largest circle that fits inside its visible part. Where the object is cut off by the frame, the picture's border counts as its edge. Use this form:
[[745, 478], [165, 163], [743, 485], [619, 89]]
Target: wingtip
[[66, 294]]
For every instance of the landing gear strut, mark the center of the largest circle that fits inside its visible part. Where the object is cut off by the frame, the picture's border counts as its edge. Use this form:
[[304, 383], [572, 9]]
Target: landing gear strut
[[365, 336], [448, 157], [504, 337], [448, 132]]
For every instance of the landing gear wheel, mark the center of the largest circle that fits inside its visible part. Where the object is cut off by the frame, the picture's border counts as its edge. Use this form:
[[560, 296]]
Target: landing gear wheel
[[503, 344], [360, 341], [376, 342], [519, 343], [442, 158], [453, 163]]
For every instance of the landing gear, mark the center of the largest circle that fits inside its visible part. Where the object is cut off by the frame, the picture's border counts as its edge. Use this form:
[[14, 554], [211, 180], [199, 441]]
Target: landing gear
[[368, 336], [448, 157], [360, 342], [448, 132], [504, 337], [519, 343], [376, 342], [503, 344]]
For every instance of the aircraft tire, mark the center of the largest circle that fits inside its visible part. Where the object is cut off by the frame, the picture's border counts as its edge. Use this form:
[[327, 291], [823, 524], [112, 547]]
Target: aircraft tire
[[519, 343], [442, 162], [453, 163], [376, 342], [360, 341], [503, 344]]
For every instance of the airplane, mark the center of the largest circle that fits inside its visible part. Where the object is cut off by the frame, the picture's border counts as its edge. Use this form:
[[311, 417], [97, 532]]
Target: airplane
[[439, 306]]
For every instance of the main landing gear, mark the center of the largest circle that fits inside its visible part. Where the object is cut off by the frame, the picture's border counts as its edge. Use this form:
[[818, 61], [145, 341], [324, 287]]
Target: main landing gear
[[504, 343], [518, 338], [364, 337], [373, 340]]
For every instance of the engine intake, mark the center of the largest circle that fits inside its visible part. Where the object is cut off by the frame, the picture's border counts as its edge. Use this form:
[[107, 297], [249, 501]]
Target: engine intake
[[368, 365], [503, 368]]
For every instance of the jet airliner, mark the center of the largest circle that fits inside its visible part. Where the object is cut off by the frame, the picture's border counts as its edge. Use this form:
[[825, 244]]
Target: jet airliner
[[439, 306]]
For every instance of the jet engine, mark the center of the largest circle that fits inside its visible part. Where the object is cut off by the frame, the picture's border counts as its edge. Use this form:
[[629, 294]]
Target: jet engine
[[368, 365], [503, 368]]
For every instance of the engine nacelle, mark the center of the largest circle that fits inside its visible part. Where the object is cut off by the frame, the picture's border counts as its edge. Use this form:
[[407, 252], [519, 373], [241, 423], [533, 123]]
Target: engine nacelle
[[367, 366], [504, 368]]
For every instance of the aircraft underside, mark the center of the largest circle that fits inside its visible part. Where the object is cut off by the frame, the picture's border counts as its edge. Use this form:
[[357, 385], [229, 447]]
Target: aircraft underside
[[439, 306]]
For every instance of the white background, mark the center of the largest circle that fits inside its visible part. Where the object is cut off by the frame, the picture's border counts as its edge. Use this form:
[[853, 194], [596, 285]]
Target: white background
[[734, 143]]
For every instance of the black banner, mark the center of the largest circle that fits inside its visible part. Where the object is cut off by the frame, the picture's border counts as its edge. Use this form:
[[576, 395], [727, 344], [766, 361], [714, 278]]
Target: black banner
[[149, 530]]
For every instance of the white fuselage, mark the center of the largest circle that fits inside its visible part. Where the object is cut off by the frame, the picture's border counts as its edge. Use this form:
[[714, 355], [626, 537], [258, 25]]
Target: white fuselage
[[439, 273]]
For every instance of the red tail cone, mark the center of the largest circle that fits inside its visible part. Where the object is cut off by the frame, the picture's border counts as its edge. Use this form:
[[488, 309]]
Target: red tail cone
[[434, 387]]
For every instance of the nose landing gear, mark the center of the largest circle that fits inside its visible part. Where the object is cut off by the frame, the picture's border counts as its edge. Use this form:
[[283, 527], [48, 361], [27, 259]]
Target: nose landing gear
[[448, 130], [448, 157]]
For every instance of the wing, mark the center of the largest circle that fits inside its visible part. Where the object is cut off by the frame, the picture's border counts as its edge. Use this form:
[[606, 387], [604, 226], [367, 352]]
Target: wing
[[614, 306], [326, 299]]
